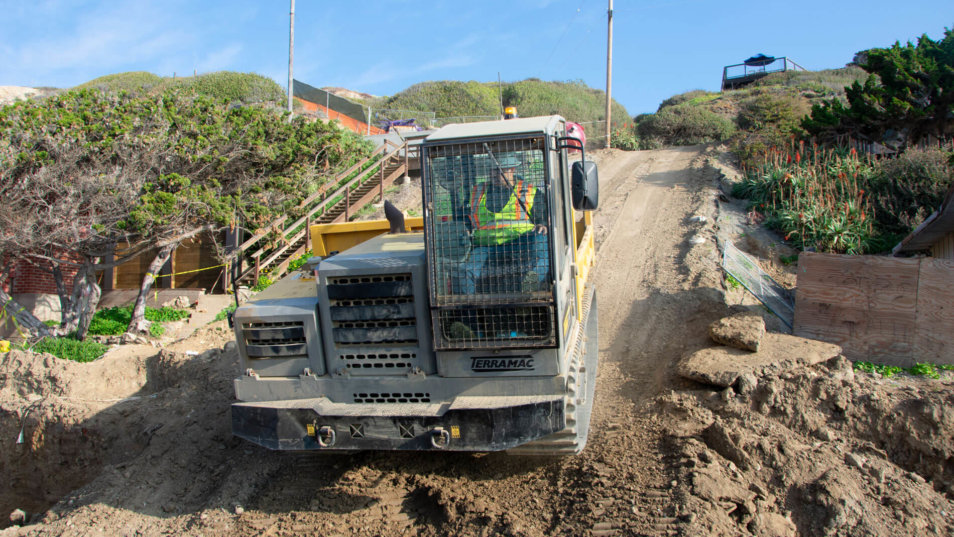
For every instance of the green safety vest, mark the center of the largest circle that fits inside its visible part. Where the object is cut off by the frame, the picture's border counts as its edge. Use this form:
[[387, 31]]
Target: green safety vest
[[512, 221]]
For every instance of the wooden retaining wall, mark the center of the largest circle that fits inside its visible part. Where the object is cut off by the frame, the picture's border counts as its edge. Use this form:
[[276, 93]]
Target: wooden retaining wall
[[885, 310]]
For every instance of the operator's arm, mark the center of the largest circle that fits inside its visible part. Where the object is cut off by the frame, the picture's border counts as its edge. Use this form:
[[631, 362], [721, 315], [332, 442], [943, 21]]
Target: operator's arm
[[538, 214]]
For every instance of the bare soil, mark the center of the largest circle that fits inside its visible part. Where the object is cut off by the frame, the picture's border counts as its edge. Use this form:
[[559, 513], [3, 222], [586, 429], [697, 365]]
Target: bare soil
[[139, 444]]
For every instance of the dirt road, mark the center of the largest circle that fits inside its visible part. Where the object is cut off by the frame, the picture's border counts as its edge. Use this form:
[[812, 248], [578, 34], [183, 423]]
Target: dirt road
[[147, 440]]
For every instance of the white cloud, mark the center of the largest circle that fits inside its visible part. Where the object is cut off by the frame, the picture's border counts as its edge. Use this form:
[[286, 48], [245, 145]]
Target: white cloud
[[219, 60], [456, 56]]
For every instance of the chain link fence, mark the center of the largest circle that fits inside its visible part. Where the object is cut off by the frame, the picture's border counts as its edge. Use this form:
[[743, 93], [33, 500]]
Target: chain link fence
[[747, 272]]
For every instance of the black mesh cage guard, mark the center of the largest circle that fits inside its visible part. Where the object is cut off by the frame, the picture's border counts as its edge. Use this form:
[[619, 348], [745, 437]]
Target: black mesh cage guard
[[488, 239]]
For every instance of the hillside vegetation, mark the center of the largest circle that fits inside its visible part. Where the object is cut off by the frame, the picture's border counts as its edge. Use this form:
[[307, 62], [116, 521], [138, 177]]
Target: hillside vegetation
[[532, 97], [756, 117], [223, 85], [88, 169], [844, 160]]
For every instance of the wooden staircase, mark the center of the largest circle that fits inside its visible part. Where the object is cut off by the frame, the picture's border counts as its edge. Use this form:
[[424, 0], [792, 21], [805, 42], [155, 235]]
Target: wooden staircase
[[335, 202]]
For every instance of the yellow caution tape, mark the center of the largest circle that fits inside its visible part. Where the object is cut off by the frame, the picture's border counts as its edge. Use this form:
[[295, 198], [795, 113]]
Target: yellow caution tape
[[157, 276]]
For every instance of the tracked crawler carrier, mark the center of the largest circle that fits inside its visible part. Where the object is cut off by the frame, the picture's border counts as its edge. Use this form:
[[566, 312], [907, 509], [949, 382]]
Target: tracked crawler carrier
[[475, 333]]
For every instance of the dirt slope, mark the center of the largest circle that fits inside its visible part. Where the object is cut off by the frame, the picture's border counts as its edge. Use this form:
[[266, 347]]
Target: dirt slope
[[153, 456]]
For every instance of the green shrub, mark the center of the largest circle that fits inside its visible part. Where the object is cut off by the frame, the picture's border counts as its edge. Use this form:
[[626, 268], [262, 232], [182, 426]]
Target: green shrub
[[573, 100], [231, 86], [686, 125], [263, 282], [907, 189], [624, 138], [779, 111], [156, 329], [222, 315], [222, 85], [693, 97], [134, 82], [824, 82], [114, 321], [69, 349]]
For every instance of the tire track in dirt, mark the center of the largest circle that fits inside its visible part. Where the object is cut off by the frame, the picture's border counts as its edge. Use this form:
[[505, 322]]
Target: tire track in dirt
[[654, 301], [650, 310]]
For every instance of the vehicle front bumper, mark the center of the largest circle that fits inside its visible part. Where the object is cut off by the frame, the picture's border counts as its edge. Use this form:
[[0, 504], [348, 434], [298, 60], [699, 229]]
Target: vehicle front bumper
[[466, 424]]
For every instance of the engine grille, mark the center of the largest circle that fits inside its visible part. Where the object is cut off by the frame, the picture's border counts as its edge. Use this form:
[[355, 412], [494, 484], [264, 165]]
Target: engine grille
[[392, 397], [373, 310], [374, 323], [275, 340]]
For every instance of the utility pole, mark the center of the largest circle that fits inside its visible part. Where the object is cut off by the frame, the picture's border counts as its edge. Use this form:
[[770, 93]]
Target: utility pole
[[609, 69], [500, 94], [291, 54]]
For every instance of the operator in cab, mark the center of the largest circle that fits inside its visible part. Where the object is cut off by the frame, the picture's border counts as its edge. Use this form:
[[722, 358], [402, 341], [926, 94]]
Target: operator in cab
[[507, 219]]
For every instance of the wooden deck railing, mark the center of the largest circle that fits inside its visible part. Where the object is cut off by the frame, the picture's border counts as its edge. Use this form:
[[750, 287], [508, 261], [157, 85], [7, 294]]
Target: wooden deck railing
[[294, 238]]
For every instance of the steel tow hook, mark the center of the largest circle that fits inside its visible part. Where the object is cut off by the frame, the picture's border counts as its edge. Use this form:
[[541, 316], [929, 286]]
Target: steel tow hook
[[326, 436], [440, 438]]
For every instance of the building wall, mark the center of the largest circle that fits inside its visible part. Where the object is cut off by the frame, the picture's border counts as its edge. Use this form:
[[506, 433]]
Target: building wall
[[349, 123], [880, 309], [944, 248], [27, 278]]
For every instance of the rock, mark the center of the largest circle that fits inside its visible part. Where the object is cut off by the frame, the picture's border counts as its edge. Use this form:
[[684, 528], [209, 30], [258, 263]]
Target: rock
[[747, 383], [854, 460], [18, 517], [742, 331], [180, 302], [244, 293], [841, 369], [717, 437], [773, 525], [722, 366], [239, 509], [824, 434]]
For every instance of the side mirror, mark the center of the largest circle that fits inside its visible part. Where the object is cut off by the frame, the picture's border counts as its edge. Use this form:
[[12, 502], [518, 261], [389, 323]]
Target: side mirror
[[585, 186]]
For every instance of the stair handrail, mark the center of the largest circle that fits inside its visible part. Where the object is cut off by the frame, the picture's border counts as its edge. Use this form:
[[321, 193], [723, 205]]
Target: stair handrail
[[360, 178], [321, 190]]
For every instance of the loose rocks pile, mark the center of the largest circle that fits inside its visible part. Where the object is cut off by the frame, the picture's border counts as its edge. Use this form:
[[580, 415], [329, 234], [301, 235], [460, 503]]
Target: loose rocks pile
[[791, 441]]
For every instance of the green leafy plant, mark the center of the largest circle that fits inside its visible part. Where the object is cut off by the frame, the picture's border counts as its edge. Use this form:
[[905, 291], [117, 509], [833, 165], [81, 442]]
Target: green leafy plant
[[926, 370], [156, 330], [299, 262], [732, 282], [262, 283], [918, 369], [114, 321], [686, 124], [885, 371], [788, 259], [222, 315], [69, 348], [624, 137]]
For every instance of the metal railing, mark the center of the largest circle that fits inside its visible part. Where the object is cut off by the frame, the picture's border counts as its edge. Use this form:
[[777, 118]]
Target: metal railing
[[296, 234], [742, 73], [747, 272]]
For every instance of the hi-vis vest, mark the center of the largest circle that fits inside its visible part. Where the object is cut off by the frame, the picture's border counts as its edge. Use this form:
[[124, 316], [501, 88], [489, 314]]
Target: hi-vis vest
[[512, 221]]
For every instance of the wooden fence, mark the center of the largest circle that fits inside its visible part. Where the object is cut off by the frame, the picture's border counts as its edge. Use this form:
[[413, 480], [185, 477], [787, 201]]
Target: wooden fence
[[885, 310]]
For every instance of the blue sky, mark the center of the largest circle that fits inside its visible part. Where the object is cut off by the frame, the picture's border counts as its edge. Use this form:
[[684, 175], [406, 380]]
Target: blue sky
[[660, 47]]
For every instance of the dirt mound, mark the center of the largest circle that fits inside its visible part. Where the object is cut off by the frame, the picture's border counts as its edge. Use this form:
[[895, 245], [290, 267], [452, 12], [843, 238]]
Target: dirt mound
[[139, 442], [818, 450], [65, 424]]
